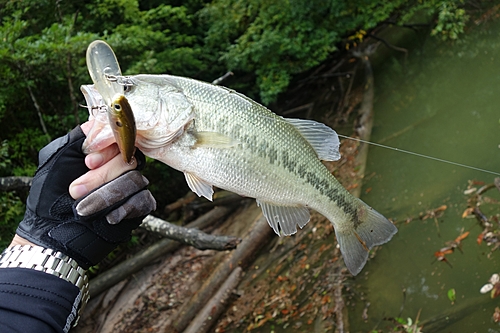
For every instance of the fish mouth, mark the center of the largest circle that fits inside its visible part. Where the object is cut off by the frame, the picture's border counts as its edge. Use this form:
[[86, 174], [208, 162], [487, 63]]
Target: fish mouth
[[100, 135], [95, 102]]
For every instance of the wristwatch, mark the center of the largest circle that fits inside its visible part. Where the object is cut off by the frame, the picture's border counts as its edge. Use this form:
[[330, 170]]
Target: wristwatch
[[51, 262]]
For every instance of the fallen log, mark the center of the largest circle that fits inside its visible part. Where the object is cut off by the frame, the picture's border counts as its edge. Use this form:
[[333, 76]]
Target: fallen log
[[365, 120], [441, 321], [209, 219], [340, 308], [208, 316], [221, 198], [123, 270], [189, 197], [240, 257]]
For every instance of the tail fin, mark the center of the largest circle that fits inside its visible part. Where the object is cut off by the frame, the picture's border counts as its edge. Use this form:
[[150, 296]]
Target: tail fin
[[372, 229]]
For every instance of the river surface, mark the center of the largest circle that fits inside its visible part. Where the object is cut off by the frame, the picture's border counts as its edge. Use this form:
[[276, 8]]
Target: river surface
[[444, 103]]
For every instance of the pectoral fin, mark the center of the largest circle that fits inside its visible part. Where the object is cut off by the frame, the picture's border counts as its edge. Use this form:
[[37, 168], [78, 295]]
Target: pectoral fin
[[213, 140], [285, 218], [199, 186]]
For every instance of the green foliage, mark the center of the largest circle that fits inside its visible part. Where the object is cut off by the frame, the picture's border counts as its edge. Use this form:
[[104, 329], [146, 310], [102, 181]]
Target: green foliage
[[162, 40], [11, 206], [451, 21], [11, 212], [275, 40]]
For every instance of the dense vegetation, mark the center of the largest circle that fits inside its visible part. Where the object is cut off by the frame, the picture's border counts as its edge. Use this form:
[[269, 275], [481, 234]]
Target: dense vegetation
[[265, 42]]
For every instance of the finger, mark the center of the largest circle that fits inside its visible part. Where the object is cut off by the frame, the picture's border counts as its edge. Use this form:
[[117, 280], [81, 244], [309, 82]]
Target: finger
[[112, 193], [140, 204], [98, 159], [95, 178]]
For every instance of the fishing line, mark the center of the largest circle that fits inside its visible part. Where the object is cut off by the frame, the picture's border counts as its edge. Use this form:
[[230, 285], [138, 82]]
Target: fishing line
[[420, 155]]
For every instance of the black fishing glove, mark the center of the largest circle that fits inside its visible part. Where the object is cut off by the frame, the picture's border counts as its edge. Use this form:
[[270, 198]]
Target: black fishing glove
[[89, 228]]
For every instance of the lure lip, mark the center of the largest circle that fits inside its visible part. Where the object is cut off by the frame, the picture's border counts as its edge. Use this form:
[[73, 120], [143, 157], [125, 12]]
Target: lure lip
[[103, 66]]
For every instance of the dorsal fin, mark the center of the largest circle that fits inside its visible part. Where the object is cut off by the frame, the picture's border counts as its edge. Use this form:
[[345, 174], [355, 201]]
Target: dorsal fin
[[322, 138]]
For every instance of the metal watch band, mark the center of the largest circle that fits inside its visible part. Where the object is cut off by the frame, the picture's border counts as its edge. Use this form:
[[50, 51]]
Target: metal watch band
[[51, 262]]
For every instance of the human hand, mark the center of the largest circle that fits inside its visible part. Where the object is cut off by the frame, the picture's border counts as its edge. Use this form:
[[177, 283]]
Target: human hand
[[88, 228]]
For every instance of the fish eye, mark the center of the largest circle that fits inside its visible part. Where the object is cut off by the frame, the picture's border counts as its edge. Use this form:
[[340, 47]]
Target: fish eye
[[119, 124], [118, 107]]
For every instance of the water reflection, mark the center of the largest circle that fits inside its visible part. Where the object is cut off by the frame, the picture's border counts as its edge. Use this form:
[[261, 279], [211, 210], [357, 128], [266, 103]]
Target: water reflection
[[445, 105]]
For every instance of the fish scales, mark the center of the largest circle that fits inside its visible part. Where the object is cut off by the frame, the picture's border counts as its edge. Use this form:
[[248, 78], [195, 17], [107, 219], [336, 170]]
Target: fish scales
[[294, 155], [218, 137]]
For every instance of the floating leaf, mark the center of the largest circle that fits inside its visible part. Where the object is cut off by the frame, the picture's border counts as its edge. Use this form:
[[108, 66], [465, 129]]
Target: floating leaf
[[495, 292], [452, 295]]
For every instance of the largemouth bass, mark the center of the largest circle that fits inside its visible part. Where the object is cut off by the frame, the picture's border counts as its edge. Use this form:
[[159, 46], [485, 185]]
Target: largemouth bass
[[218, 137]]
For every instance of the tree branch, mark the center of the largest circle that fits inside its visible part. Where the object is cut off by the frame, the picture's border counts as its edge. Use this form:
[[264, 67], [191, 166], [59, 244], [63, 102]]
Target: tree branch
[[14, 183], [392, 47], [190, 236], [74, 102], [128, 267], [222, 78], [39, 112]]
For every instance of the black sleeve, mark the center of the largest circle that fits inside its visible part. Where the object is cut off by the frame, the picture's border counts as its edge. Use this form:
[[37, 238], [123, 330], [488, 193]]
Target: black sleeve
[[33, 301]]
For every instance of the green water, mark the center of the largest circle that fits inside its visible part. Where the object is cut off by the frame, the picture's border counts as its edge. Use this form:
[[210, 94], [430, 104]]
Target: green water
[[446, 103]]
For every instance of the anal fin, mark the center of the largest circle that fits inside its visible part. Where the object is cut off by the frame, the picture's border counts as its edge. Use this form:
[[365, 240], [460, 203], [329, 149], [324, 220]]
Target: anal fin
[[285, 218], [199, 186]]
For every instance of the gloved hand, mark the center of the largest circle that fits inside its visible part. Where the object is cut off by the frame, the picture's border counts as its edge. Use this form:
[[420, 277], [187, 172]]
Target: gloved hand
[[89, 228]]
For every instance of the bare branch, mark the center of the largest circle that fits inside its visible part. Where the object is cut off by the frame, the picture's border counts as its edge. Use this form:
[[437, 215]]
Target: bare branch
[[392, 47], [222, 78], [39, 112], [190, 236], [72, 97], [14, 183]]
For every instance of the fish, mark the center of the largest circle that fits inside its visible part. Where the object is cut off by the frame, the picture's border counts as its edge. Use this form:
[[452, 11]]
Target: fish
[[219, 137]]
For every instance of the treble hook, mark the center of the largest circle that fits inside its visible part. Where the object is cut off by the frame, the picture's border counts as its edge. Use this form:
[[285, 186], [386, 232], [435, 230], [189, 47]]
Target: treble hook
[[94, 109]]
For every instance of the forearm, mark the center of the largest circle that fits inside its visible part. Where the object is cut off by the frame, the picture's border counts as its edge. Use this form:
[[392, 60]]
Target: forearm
[[18, 240], [40, 291]]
